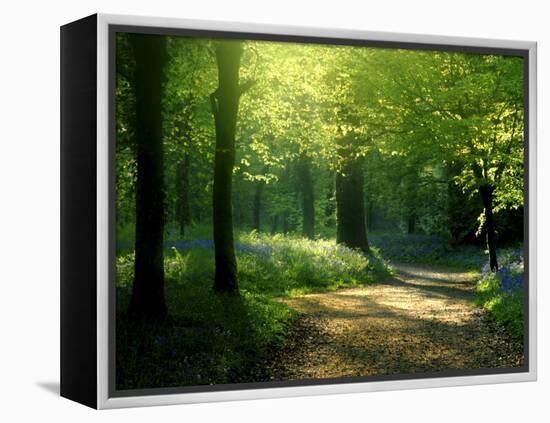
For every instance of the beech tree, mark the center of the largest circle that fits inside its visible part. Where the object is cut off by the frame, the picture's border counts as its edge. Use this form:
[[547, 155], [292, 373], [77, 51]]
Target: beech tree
[[147, 301], [489, 99], [463, 112], [225, 104]]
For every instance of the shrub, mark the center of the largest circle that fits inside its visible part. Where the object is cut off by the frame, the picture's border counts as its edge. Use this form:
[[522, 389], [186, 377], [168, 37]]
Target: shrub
[[281, 265], [502, 293]]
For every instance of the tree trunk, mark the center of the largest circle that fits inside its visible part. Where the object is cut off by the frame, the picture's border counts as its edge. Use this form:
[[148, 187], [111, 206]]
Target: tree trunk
[[257, 206], [486, 192], [274, 224], [183, 210], [286, 225], [411, 223], [330, 205], [225, 102], [257, 209], [350, 206], [370, 216], [306, 190], [148, 300]]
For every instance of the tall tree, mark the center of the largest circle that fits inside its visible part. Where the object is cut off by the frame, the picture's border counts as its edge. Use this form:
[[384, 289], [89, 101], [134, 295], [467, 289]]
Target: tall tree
[[257, 207], [305, 182], [257, 202], [225, 104], [183, 209], [465, 109], [148, 300], [350, 147], [188, 131], [487, 116], [184, 127], [350, 206]]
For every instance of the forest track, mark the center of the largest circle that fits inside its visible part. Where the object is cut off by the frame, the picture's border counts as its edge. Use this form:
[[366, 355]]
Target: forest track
[[421, 320]]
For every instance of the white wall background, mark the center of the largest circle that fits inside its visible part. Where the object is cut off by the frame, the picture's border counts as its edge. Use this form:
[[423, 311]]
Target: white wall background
[[29, 208]]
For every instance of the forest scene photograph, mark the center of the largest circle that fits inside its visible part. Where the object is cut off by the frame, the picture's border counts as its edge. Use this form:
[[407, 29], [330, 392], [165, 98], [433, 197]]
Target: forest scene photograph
[[291, 211]]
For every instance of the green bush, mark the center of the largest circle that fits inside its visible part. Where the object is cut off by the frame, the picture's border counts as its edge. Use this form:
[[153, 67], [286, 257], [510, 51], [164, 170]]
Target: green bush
[[502, 293], [282, 265]]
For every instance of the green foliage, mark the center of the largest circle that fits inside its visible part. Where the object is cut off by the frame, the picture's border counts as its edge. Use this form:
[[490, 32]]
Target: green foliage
[[506, 308], [281, 265]]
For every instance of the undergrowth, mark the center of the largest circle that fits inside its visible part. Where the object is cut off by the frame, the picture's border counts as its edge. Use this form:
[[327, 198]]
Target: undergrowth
[[428, 249], [502, 292], [214, 338]]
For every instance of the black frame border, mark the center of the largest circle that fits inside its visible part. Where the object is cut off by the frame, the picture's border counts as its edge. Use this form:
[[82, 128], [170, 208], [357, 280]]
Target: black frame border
[[78, 211]]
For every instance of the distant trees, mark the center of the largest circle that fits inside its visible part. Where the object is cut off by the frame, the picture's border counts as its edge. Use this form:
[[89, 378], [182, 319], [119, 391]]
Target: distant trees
[[452, 111], [480, 126], [350, 146], [183, 208], [188, 131], [257, 205], [493, 147], [305, 181], [148, 300], [350, 202]]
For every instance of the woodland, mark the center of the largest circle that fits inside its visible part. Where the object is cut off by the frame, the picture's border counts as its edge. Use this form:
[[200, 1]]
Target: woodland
[[255, 176]]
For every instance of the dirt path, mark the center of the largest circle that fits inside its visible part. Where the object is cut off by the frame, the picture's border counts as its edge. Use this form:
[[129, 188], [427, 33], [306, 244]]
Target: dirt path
[[421, 320]]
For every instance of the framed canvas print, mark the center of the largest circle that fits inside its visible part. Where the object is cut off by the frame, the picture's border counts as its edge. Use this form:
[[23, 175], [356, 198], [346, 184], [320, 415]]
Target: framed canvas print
[[254, 211]]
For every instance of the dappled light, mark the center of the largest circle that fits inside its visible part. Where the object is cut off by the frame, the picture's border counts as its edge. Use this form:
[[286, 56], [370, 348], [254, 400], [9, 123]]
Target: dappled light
[[398, 328]]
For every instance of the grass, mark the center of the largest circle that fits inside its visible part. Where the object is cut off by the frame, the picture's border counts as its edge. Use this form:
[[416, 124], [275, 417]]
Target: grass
[[216, 339], [502, 293]]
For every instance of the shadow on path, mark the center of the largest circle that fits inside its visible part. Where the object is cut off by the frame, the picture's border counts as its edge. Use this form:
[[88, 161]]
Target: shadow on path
[[421, 320]]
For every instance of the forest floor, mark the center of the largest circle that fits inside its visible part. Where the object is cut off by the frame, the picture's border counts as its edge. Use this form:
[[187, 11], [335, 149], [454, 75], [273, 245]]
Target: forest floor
[[420, 320]]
